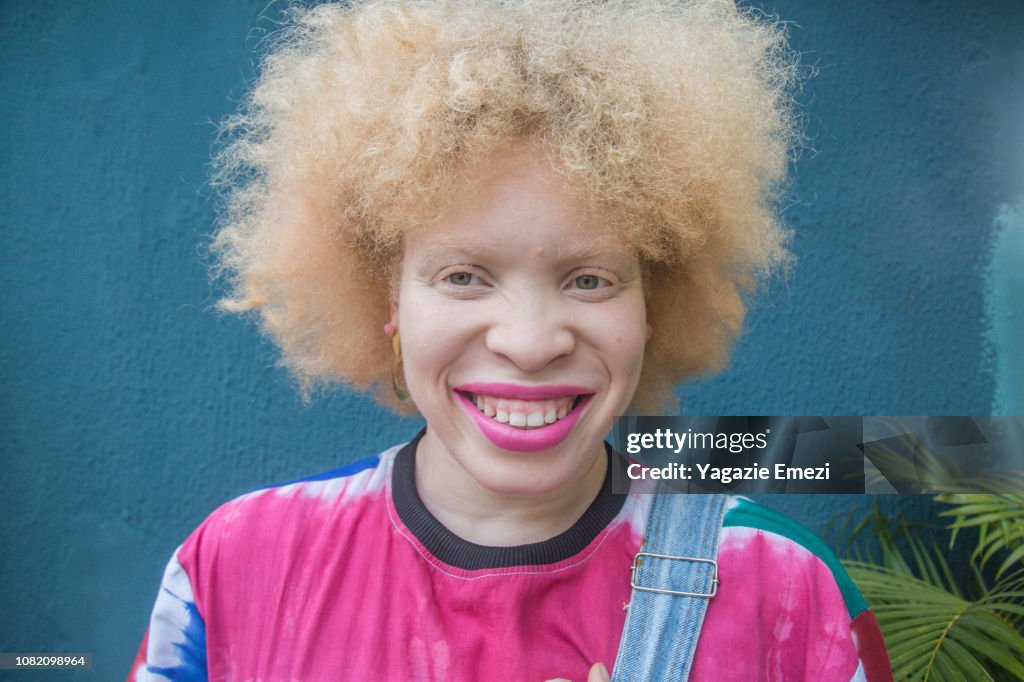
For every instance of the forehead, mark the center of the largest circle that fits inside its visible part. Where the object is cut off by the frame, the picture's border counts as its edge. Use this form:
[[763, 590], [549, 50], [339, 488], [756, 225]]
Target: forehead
[[515, 200]]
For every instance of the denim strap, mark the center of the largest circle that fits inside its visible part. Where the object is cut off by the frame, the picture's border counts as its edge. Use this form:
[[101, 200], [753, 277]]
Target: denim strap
[[671, 589]]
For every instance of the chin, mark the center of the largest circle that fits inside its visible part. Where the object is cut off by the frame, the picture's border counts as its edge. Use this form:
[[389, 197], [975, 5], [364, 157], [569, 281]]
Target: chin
[[522, 487], [515, 473]]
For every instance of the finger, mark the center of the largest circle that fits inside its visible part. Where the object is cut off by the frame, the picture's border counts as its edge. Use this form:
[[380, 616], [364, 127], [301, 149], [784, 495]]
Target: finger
[[599, 673]]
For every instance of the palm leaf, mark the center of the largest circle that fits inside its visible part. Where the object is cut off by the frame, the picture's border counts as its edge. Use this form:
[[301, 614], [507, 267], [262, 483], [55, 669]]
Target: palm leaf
[[937, 627], [999, 520], [935, 634]]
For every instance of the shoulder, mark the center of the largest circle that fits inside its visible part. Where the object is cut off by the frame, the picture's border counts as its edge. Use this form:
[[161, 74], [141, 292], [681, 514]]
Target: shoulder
[[361, 479], [784, 597], [362, 476], [234, 561], [289, 518], [753, 529]]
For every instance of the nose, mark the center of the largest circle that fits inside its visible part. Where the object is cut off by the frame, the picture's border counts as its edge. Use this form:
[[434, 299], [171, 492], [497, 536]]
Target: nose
[[531, 334]]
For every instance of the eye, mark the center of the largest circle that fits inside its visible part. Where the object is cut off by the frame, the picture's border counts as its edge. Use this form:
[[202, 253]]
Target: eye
[[462, 279], [590, 282]]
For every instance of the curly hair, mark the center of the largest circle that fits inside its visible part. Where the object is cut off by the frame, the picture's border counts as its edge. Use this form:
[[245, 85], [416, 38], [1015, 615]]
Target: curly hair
[[672, 118]]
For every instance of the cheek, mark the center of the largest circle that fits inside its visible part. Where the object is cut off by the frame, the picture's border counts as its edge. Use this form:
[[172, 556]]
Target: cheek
[[622, 333], [631, 351], [630, 320], [433, 340]]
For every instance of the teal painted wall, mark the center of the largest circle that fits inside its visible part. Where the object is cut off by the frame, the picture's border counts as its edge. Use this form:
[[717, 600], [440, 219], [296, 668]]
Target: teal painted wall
[[1006, 305], [130, 408]]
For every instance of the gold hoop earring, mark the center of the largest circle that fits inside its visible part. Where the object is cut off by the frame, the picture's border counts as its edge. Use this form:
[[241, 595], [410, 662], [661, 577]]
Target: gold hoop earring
[[401, 392]]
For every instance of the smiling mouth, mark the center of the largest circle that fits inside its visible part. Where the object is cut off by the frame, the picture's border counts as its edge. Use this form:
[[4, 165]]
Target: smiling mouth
[[524, 414]]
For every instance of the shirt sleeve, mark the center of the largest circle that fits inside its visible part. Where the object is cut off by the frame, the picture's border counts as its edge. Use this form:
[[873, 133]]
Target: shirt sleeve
[[174, 647], [867, 637], [786, 600]]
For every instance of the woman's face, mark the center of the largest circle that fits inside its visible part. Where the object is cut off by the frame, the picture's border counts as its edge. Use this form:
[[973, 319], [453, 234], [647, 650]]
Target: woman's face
[[522, 326]]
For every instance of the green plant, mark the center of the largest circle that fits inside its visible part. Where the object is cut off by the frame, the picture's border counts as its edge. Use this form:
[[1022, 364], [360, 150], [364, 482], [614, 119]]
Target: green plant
[[937, 627]]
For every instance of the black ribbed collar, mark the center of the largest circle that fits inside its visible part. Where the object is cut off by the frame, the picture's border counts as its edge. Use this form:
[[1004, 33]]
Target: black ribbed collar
[[454, 551]]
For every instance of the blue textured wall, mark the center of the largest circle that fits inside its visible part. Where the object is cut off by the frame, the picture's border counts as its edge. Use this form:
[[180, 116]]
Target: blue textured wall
[[1006, 304], [130, 409]]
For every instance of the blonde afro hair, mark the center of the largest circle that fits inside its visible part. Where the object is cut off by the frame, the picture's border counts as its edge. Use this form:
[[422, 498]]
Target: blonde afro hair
[[671, 118]]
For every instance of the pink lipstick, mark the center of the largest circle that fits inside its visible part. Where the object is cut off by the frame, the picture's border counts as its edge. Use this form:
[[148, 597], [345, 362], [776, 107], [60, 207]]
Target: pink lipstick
[[504, 403]]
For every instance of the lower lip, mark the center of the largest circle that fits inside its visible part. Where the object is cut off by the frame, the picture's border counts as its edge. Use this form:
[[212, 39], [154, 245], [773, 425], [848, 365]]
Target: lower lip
[[523, 440]]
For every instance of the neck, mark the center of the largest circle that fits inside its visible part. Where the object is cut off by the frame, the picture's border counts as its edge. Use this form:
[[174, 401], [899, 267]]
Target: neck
[[496, 519]]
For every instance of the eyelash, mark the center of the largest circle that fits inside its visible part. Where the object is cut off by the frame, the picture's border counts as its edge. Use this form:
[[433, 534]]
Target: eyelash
[[573, 282], [448, 278], [601, 283]]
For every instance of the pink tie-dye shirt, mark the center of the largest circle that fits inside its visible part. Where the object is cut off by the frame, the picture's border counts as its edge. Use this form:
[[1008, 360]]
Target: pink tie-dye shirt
[[347, 576]]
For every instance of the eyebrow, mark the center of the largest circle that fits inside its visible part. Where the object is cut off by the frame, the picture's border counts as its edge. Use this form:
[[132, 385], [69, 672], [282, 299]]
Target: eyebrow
[[444, 248], [603, 246]]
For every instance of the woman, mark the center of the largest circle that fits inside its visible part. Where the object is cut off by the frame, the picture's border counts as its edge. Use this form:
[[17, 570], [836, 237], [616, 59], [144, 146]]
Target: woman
[[520, 219]]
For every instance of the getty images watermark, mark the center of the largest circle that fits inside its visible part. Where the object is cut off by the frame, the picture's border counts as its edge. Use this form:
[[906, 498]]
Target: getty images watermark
[[821, 454]]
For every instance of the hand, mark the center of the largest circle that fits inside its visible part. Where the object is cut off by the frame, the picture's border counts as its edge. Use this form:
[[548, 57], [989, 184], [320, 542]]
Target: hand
[[598, 673]]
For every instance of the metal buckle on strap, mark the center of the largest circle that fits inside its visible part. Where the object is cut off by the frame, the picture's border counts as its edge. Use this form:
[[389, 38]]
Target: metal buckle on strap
[[680, 593]]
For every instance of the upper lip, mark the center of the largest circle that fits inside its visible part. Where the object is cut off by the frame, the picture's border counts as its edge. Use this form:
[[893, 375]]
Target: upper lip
[[523, 392]]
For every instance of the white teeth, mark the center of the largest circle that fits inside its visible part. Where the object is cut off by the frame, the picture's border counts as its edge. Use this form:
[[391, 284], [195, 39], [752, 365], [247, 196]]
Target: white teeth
[[548, 414]]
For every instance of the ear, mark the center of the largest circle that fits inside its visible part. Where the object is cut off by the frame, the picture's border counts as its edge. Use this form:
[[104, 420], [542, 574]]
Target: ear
[[650, 332], [392, 324]]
